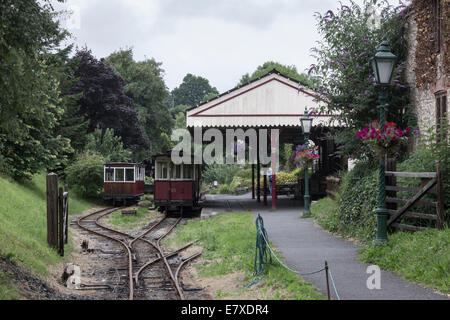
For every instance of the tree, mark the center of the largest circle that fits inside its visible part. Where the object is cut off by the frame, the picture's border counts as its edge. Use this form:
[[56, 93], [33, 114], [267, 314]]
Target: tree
[[72, 124], [107, 145], [290, 71], [180, 121], [177, 109], [144, 84], [192, 90], [104, 102], [85, 175], [344, 74], [29, 89]]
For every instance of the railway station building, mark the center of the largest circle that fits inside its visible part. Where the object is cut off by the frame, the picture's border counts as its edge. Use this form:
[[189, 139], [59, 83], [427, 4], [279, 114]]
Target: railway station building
[[273, 101]]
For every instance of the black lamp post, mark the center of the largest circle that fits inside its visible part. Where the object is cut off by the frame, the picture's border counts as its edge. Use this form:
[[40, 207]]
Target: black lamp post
[[383, 67], [306, 122]]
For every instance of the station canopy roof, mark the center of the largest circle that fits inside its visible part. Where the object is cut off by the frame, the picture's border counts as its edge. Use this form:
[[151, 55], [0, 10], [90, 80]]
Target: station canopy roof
[[273, 100]]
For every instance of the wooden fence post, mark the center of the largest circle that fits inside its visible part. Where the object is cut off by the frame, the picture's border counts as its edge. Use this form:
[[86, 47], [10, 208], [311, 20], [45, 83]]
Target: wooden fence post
[[328, 282], [440, 200], [66, 233], [52, 210], [61, 222]]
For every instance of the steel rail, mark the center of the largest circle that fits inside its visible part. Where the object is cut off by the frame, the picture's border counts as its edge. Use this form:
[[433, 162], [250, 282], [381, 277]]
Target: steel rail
[[166, 264], [147, 232], [130, 261], [129, 248], [129, 235], [178, 289], [149, 263], [195, 255]]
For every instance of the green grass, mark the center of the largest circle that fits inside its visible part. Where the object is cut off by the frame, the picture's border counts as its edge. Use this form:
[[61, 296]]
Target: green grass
[[142, 218], [422, 257], [7, 291], [23, 225], [228, 242], [324, 212]]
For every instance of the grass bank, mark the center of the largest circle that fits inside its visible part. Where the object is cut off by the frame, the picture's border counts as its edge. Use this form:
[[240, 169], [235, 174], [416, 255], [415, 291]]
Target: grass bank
[[23, 226], [422, 257], [228, 242]]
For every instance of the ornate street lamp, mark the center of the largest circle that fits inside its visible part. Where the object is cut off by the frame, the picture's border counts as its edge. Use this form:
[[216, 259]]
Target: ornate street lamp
[[383, 67], [306, 122]]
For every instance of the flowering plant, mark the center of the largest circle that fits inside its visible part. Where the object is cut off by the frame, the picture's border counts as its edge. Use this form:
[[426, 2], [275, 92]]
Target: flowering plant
[[383, 140], [306, 157]]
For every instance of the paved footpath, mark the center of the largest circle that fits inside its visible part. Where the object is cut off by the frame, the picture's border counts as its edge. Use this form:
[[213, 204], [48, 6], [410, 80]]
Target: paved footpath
[[305, 247]]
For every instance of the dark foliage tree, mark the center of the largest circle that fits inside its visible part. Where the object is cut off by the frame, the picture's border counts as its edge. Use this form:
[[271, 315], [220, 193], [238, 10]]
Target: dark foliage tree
[[192, 90], [104, 101], [144, 84]]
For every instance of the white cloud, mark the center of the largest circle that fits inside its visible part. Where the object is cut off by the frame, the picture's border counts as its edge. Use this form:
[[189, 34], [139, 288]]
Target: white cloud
[[219, 40]]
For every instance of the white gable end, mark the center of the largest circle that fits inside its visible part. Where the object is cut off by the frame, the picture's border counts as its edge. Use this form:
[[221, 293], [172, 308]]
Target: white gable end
[[271, 101]]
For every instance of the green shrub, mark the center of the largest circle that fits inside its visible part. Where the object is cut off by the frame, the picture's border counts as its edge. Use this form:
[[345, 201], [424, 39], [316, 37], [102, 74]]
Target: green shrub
[[222, 173], [245, 174], [286, 177], [352, 214], [239, 182], [224, 189], [85, 176]]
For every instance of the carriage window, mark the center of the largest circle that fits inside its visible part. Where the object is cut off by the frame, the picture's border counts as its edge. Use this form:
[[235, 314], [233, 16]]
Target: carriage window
[[120, 174], [158, 171], [139, 173], [176, 172], [129, 174], [143, 174], [187, 171], [165, 170], [109, 174]]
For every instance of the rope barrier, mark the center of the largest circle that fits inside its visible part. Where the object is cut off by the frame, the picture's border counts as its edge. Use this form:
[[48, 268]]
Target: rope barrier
[[263, 250]]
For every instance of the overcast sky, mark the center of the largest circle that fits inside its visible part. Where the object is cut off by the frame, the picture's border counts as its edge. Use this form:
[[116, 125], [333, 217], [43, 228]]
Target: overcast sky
[[217, 39]]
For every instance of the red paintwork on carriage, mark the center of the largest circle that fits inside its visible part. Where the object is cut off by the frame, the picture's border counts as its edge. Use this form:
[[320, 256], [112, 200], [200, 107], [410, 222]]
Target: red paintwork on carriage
[[123, 189], [130, 188], [179, 190]]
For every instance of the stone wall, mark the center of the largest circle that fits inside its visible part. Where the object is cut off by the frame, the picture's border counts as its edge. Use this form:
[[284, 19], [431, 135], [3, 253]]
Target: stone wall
[[427, 71]]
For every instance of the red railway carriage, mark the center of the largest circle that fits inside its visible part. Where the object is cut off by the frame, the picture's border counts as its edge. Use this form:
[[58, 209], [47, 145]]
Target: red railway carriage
[[123, 181], [176, 186]]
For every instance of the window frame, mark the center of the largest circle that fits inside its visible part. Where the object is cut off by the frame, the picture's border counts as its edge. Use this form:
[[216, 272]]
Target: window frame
[[441, 107], [437, 17], [161, 164], [114, 174]]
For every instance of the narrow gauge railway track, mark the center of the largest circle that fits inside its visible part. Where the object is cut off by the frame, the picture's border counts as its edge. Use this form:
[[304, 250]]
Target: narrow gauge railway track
[[139, 260]]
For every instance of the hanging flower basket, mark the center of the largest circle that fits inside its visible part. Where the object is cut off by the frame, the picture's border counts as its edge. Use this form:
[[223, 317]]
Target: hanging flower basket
[[385, 140], [305, 158]]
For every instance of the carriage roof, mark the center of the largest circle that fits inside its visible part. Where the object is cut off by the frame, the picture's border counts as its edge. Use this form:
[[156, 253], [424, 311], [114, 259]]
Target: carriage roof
[[123, 164]]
